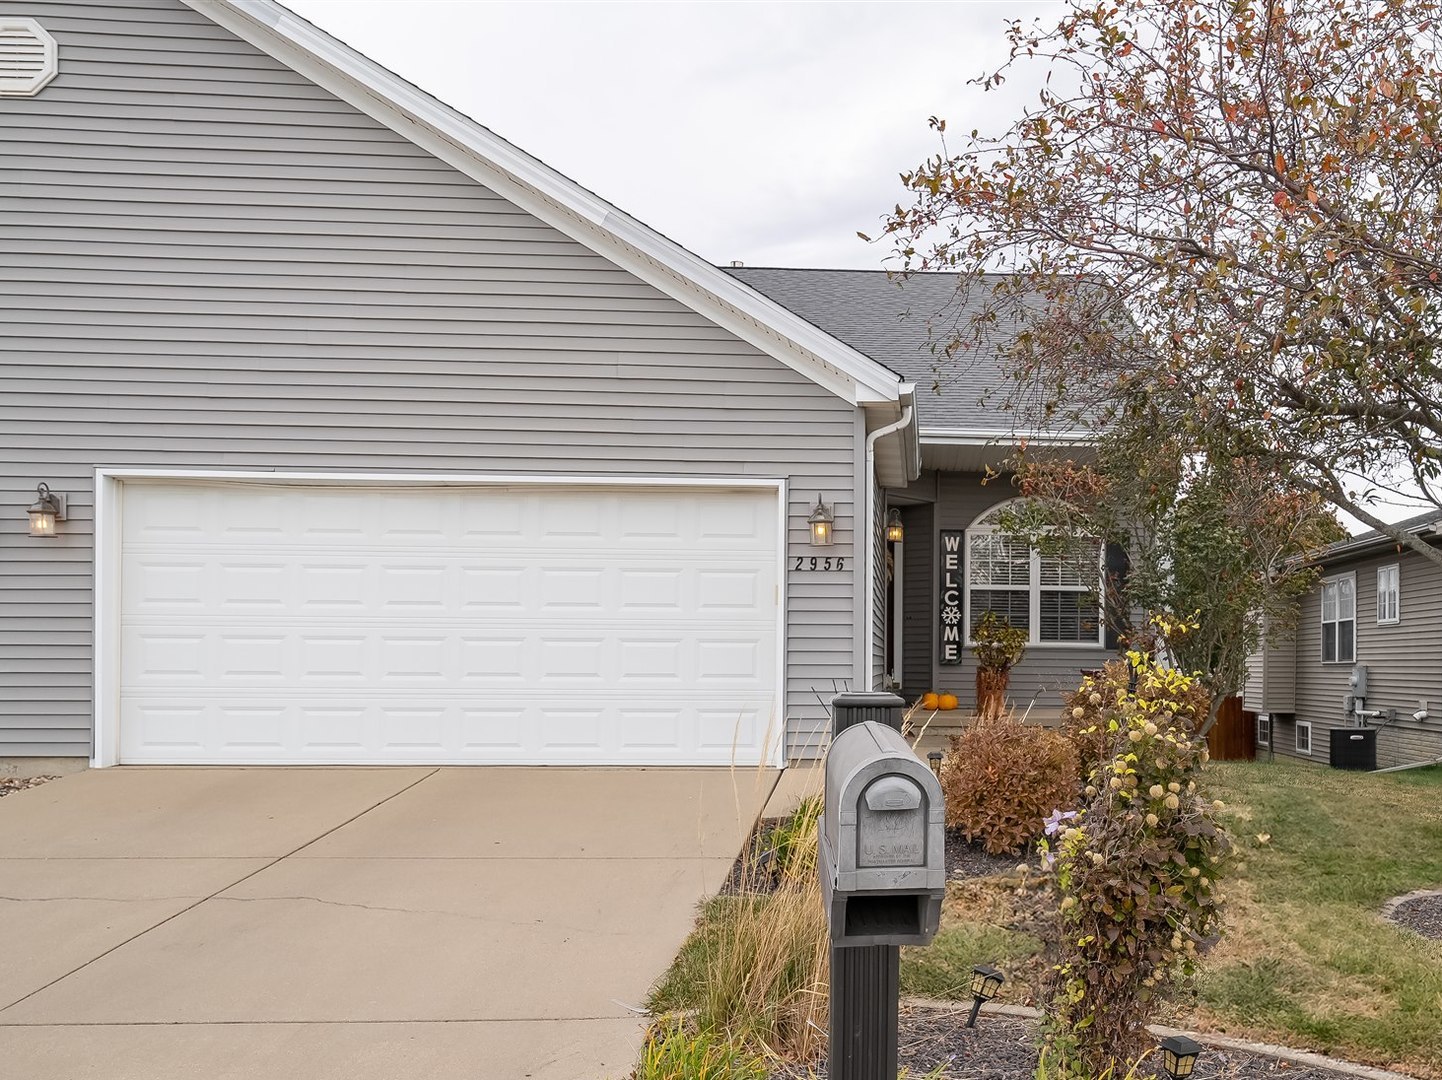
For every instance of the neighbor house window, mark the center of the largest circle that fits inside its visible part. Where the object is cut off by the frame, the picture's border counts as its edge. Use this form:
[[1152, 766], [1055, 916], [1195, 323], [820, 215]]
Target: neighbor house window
[[1304, 737], [1389, 594], [1339, 619], [1052, 596], [1264, 729]]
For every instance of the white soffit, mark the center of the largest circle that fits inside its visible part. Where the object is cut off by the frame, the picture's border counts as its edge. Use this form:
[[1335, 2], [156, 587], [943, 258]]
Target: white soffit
[[555, 199], [29, 57]]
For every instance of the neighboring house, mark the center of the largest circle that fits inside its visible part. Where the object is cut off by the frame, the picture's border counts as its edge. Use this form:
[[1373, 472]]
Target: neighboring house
[[382, 442], [1367, 654]]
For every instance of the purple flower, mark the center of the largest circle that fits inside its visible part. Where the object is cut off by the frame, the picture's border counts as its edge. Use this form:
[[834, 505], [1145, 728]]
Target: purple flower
[[1055, 819]]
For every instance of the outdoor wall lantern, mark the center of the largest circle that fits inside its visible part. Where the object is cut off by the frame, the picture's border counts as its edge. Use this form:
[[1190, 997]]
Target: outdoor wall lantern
[[894, 530], [48, 509], [985, 982], [820, 521], [1179, 1056]]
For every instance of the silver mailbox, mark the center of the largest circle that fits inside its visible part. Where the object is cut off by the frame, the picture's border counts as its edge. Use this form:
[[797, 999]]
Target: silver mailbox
[[883, 840]]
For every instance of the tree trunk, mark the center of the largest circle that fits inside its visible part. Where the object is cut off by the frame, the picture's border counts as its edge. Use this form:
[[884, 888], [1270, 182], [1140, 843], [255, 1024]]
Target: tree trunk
[[991, 691]]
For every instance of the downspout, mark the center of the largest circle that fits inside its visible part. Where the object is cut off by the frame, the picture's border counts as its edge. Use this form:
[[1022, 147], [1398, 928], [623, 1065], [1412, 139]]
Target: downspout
[[870, 536], [1414, 765]]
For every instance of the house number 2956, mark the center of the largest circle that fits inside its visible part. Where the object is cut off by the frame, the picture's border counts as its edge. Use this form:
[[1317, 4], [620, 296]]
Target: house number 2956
[[830, 562]]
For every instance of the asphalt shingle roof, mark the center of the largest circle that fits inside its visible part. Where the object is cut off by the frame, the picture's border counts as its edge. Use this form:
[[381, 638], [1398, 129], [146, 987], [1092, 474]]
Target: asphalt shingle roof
[[904, 324]]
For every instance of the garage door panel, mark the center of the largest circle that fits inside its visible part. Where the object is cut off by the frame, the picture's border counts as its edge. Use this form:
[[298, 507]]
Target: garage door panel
[[595, 658], [447, 624], [363, 730]]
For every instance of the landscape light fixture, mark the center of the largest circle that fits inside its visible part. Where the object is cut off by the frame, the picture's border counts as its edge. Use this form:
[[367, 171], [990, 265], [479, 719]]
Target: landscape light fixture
[[935, 758], [985, 982], [821, 520], [895, 531], [46, 511], [1179, 1056]]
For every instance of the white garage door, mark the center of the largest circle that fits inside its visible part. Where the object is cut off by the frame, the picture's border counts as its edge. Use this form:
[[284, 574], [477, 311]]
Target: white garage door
[[447, 624]]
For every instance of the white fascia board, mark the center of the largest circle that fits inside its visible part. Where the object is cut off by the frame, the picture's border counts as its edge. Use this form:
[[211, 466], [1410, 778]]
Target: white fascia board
[[961, 437], [555, 199]]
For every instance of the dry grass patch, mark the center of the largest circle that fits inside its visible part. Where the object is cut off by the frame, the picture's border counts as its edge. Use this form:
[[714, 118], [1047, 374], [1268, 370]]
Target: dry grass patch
[[755, 972]]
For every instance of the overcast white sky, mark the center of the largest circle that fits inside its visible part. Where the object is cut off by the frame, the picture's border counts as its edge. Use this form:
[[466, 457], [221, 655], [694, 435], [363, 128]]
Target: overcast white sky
[[766, 132]]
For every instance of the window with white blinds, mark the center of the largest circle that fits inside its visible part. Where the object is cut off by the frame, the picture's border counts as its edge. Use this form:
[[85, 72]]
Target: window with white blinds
[[1052, 596], [1389, 594], [1339, 620]]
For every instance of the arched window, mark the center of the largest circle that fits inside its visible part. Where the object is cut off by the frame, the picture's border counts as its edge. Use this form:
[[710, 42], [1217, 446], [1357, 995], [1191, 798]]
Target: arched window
[[1054, 596]]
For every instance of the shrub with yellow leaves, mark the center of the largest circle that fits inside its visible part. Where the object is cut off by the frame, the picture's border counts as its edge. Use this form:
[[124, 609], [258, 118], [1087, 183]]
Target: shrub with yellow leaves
[[1138, 870]]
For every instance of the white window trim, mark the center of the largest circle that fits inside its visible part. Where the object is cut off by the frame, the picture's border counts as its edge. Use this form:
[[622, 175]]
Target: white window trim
[[1297, 742], [898, 613], [1034, 589], [1263, 719], [1322, 620], [1396, 569]]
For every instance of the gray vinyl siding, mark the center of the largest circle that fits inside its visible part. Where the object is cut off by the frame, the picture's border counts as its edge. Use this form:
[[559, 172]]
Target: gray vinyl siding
[[1404, 664], [1271, 685], [1252, 689], [1045, 670], [208, 262], [918, 584]]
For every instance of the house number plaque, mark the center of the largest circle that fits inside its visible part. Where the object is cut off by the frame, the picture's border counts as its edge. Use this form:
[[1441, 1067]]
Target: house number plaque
[[820, 563], [949, 608]]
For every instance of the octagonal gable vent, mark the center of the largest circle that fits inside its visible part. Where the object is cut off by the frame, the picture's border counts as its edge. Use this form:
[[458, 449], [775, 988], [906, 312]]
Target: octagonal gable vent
[[28, 57]]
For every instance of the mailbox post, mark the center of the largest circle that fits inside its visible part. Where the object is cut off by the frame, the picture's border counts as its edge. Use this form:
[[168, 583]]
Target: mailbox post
[[883, 876]]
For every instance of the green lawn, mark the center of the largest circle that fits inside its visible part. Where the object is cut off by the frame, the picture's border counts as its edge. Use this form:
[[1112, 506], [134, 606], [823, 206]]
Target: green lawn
[[1309, 961], [1306, 961]]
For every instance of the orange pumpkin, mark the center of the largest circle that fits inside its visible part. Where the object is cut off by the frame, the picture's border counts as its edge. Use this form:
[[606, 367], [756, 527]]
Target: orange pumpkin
[[947, 702], [931, 702]]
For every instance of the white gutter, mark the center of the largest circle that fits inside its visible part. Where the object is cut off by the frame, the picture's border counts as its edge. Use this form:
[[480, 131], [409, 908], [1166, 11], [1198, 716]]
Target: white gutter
[[870, 534]]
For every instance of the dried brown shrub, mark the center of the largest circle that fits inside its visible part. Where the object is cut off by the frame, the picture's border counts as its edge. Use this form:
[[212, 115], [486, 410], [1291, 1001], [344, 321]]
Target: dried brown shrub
[[1002, 777]]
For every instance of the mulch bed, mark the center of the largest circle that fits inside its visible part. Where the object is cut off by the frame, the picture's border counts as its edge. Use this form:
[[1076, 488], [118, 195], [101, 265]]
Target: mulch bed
[[1004, 1048], [11, 784], [1422, 915], [967, 859]]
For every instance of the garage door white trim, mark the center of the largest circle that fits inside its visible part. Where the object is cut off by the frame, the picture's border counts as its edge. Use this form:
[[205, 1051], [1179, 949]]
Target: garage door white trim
[[109, 510]]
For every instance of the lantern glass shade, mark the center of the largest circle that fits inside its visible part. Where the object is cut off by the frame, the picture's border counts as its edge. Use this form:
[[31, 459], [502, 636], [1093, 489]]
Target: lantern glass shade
[[46, 511], [985, 982], [895, 532], [1179, 1056], [821, 522], [42, 521]]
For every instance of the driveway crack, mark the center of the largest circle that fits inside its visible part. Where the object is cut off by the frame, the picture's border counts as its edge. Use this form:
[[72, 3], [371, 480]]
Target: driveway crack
[[217, 892]]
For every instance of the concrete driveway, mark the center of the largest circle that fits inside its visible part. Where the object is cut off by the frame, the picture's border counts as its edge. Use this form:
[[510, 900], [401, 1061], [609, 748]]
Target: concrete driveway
[[351, 923]]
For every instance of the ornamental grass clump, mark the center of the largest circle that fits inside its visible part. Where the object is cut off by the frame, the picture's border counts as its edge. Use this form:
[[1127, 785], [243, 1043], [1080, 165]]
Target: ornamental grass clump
[[1001, 778], [1137, 873]]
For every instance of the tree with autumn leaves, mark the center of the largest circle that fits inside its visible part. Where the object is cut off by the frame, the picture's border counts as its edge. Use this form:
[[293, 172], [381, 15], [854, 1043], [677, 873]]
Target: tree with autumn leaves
[[1219, 549], [1228, 211]]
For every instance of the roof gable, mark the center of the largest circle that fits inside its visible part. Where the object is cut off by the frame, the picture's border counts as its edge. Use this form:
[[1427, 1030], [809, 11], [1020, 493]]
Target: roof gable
[[557, 200]]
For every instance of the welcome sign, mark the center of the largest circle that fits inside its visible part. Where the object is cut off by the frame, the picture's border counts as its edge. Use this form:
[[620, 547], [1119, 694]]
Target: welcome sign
[[951, 586]]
